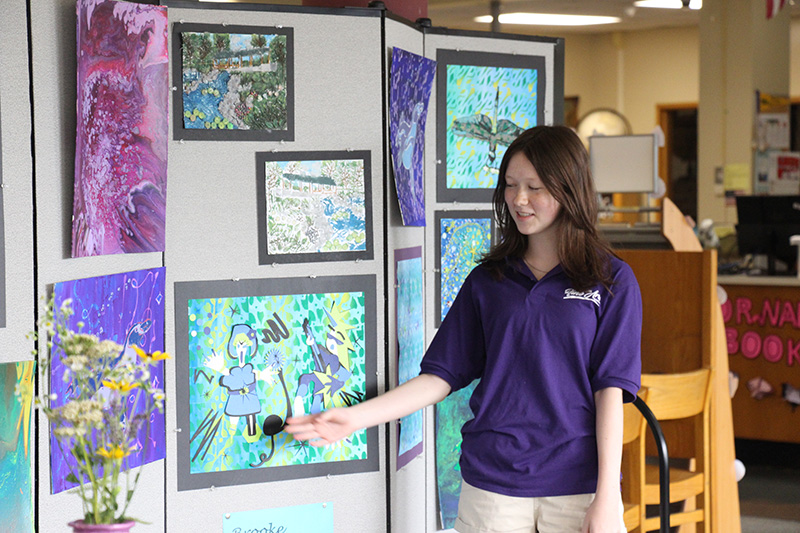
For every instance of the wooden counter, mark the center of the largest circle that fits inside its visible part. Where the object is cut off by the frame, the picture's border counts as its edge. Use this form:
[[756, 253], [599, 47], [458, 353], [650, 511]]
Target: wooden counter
[[762, 330]]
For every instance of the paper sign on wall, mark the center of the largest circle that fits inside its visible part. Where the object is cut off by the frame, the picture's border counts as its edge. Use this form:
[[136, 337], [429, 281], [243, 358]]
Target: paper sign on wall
[[313, 518]]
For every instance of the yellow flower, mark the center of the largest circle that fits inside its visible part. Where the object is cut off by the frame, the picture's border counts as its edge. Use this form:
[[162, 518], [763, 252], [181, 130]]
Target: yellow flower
[[116, 452], [151, 358], [123, 386]]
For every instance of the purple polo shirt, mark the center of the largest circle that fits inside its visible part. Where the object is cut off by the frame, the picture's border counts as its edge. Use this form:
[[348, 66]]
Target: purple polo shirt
[[541, 349]]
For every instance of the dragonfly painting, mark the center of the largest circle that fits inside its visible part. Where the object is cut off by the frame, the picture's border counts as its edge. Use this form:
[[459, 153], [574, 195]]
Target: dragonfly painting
[[485, 128], [484, 101]]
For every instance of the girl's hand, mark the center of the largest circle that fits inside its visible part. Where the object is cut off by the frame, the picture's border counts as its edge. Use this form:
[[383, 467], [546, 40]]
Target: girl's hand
[[324, 428], [604, 515]]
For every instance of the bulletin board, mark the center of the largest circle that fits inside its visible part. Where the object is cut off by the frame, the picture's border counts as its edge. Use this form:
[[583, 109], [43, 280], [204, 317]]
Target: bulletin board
[[214, 242]]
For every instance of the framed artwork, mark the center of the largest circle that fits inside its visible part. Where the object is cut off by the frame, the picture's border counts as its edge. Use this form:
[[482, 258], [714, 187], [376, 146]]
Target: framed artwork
[[126, 308], [119, 203], [483, 102], [410, 344], [463, 239], [233, 82], [451, 414], [411, 83], [314, 206], [250, 354], [16, 450]]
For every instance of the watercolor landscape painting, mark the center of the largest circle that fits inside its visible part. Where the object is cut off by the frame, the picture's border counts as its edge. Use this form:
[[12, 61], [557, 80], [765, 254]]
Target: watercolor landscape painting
[[119, 201], [236, 78], [316, 206]]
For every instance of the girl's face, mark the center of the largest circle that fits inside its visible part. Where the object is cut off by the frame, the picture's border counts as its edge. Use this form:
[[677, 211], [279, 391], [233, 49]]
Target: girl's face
[[532, 207]]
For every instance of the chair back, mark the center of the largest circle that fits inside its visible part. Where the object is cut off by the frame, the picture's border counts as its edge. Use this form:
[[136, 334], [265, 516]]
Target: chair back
[[675, 396]]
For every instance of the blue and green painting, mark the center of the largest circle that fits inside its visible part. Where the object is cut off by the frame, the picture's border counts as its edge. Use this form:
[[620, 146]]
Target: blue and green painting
[[463, 242], [255, 361], [315, 206], [410, 344], [451, 413], [487, 108], [16, 451], [234, 81]]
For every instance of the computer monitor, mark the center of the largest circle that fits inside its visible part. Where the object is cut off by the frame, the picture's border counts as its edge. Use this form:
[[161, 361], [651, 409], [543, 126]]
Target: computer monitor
[[765, 225]]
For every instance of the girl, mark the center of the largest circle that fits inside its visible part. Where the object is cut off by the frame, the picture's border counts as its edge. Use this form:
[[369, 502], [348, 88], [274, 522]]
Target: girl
[[550, 321]]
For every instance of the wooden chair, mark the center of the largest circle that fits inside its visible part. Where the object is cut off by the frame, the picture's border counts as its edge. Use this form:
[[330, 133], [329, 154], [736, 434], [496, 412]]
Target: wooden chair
[[633, 457], [678, 397]]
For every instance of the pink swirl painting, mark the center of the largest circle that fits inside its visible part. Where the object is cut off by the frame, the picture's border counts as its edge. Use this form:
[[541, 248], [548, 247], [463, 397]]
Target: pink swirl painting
[[121, 144]]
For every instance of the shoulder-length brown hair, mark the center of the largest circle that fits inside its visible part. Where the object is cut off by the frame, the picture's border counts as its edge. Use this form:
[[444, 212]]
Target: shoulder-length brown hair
[[562, 164]]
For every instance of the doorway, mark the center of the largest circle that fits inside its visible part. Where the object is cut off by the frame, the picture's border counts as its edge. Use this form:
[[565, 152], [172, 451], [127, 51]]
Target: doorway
[[677, 160]]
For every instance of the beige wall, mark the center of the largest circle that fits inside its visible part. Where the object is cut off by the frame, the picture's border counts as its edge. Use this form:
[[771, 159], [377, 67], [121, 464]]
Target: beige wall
[[656, 66], [617, 70]]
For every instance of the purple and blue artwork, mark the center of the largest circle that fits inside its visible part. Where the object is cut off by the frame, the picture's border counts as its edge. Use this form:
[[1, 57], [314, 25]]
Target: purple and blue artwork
[[121, 142], [411, 82], [126, 308], [410, 344]]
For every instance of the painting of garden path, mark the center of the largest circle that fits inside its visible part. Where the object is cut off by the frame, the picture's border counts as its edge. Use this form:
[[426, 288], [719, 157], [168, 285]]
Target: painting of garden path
[[315, 206], [254, 361], [126, 308], [16, 452], [121, 142], [234, 81]]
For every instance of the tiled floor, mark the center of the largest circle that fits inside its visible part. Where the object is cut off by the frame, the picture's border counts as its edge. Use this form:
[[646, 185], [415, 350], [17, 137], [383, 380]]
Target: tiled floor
[[769, 493]]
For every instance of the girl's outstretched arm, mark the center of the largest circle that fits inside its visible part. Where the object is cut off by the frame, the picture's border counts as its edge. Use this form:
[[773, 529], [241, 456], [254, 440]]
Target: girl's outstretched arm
[[335, 424]]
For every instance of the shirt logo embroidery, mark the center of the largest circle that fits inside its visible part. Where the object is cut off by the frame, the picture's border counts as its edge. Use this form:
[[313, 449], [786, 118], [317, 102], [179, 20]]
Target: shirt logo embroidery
[[590, 296]]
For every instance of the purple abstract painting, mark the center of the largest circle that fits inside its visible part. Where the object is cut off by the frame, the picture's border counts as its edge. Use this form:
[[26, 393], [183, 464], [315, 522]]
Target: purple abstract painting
[[121, 142], [411, 83], [128, 309]]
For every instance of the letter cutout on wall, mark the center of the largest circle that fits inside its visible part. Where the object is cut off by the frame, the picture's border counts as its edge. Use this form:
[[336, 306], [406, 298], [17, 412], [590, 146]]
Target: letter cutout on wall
[[128, 309], [121, 142], [251, 354]]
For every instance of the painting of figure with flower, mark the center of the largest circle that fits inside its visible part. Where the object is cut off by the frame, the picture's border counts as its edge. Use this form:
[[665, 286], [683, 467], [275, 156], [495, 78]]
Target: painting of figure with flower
[[125, 310], [254, 361]]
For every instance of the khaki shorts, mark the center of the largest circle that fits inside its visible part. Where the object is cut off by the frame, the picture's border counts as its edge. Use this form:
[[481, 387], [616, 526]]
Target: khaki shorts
[[481, 511]]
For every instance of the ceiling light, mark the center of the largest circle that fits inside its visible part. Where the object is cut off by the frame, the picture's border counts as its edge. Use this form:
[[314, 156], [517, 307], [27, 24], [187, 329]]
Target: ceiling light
[[546, 19], [668, 4]]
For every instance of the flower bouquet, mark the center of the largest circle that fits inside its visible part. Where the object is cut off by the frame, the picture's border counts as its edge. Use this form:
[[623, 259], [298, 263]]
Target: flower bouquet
[[92, 422]]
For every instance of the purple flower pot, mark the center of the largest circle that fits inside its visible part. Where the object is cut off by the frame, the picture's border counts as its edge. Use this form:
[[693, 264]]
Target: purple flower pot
[[123, 527]]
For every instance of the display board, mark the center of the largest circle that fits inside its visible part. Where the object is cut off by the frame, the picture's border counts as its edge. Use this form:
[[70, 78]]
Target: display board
[[326, 71], [276, 284]]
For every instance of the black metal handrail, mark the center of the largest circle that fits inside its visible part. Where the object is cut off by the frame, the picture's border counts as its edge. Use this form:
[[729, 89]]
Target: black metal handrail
[[663, 462]]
